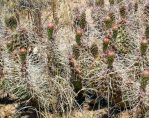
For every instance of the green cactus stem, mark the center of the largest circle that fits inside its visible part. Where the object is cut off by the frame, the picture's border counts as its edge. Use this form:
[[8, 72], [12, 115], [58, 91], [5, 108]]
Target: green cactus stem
[[147, 30], [111, 2], [83, 20], [106, 42], [144, 79], [78, 36], [108, 22], [112, 16], [50, 30], [122, 11], [94, 50], [100, 2], [144, 46], [76, 51], [146, 7], [10, 47], [110, 58], [23, 54], [11, 22], [136, 7], [115, 31], [118, 1]]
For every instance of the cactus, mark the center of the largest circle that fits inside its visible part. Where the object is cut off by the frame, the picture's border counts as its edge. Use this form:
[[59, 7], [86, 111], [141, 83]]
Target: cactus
[[94, 50], [78, 36], [100, 2], [111, 2], [115, 31], [110, 58], [122, 42], [76, 51], [144, 79], [147, 30], [11, 22], [108, 22], [23, 54], [106, 42], [83, 20], [123, 11], [144, 46], [50, 30]]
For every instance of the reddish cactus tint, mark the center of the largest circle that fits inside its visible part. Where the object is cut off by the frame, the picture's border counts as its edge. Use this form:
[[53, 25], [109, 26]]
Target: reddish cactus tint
[[50, 26]]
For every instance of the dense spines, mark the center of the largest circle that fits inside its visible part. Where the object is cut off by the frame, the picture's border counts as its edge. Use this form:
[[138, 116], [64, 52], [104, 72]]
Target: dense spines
[[91, 68]]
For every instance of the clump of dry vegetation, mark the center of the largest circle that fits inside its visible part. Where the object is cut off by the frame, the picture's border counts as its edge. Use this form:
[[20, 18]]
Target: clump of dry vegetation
[[74, 59]]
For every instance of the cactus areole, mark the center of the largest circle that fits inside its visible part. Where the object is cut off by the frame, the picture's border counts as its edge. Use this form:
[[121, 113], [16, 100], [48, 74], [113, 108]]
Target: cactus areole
[[50, 29]]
